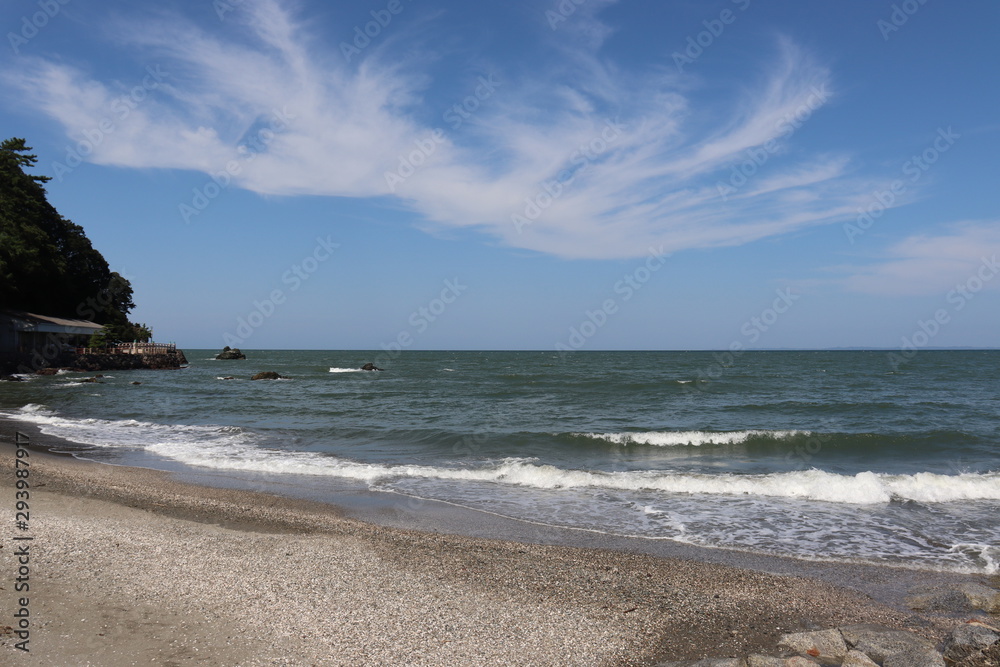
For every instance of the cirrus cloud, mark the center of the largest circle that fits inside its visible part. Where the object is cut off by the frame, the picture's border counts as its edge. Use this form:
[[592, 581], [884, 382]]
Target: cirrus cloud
[[537, 167]]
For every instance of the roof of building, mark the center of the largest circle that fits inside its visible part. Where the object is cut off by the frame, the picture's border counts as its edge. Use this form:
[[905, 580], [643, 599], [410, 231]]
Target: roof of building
[[48, 324]]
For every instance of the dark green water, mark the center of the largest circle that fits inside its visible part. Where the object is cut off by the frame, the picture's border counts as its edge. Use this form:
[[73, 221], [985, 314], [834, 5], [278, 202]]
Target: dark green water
[[838, 455]]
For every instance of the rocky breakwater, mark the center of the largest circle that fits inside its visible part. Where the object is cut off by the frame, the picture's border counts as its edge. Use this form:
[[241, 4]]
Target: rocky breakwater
[[112, 362], [972, 642]]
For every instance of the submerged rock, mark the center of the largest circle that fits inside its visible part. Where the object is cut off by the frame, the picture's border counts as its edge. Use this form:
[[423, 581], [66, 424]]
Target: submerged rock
[[10, 378], [267, 375], [953, 600]]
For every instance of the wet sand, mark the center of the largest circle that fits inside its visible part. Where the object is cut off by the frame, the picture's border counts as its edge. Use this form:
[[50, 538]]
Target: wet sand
[[132, 566]]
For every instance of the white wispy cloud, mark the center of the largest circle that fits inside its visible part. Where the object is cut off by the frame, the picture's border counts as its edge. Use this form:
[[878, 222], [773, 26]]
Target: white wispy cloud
[[598, 163], [933, 264]]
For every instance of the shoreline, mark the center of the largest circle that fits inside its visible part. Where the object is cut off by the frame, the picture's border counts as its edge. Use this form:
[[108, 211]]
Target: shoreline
[[254, 578]]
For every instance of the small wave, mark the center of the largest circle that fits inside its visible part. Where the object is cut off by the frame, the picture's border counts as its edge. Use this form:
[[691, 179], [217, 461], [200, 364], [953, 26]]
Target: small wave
[[345, 370], [690, 438], [233, 448], [986, 554]]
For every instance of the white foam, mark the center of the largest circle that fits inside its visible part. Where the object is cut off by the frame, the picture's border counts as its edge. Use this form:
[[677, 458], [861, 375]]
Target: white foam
[[988, 554], [232, 448], [345, 370], [689, 438]]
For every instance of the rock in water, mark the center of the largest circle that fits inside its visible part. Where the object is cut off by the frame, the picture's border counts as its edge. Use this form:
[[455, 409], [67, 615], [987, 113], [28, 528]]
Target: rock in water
[[370, 367], [230, 353], [267, 375]]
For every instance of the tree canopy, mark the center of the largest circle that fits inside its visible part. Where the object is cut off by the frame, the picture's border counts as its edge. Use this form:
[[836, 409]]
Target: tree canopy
[[47, 264]]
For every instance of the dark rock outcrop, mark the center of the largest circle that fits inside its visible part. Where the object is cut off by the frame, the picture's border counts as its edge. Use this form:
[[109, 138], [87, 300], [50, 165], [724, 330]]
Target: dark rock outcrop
[[124, 362], [230, 353], [267, 375], [371, 367]]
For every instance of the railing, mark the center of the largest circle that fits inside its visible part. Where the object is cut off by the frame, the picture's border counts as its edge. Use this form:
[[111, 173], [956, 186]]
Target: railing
[[131, 348]]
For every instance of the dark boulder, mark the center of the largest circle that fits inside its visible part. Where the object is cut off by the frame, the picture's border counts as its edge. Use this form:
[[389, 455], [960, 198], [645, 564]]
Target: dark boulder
[[230, 353], [267, 375], [370, 367], [46, 371]]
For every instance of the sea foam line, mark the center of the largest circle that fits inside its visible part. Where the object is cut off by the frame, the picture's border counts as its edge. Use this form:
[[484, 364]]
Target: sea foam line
[[689, 438], [232, 448]]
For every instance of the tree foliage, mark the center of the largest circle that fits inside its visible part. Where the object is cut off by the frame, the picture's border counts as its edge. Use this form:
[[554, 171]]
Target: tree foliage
[[47, 263]]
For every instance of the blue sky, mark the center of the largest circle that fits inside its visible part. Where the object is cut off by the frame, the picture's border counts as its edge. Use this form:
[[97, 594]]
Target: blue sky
[[582, 174]]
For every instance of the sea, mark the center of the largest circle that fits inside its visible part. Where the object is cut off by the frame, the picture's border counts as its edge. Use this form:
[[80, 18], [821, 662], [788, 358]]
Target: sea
[[854, 456]]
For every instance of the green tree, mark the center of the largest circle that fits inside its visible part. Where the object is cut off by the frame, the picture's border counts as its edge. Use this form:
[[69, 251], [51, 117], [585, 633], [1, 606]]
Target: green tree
[[47, 263]]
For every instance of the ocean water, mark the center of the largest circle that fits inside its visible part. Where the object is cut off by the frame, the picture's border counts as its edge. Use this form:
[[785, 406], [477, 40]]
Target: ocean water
[[821, 455]]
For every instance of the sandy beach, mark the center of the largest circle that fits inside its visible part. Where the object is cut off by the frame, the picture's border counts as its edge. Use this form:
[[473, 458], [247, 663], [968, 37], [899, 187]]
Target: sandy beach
[[129, 566]]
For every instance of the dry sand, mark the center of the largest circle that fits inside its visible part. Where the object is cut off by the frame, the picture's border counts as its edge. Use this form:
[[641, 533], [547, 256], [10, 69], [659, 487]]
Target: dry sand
[[129, 567]]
